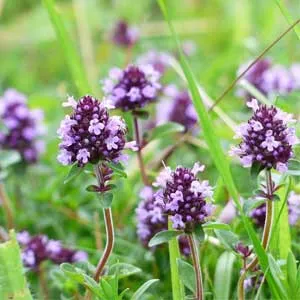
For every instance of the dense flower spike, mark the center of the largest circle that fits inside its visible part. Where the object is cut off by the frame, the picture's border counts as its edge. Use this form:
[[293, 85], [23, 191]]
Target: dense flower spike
[[259, 214], [159, 60], [271, 79], [125, 35], [177, 107], [36, 249], [183, 196], [133, 87], [22, 126], [151, 220], [266, 138], [90, 134]]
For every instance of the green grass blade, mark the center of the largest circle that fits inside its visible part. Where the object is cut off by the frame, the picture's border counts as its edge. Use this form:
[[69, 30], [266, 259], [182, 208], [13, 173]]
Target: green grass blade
[[70, 52], [219, 157], [177, 286], [13, 283], [288, 16], [281, 235]]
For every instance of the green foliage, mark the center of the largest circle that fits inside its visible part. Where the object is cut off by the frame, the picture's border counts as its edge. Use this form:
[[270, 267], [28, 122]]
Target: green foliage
[[164, 237], [13, 283]]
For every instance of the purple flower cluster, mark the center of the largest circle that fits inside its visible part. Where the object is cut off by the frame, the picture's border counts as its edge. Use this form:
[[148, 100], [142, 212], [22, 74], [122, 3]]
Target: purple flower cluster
[[183, 196], [271, 79], [266, 138], [36, 249], [151, 220], [258, 214], [177, 107], [159, 60], [125, 35], [90, 134], [132, 88], [22, 127]]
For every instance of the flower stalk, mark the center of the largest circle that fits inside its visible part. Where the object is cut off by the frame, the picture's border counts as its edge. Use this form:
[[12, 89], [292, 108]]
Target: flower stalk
[[266, 234], [109, 227], [197, 266], [139, 152]]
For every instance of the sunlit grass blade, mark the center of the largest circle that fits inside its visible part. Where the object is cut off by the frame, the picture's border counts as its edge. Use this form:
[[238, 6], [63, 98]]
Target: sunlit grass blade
[[288, 16], [220, 159], [70, 52]]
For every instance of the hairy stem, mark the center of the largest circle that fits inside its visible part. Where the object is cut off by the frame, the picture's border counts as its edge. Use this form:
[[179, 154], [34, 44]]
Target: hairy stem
[[109, 243], [109, 227], [234, 82], [139, 152], [265, 238], [197, 267], [6, 207]]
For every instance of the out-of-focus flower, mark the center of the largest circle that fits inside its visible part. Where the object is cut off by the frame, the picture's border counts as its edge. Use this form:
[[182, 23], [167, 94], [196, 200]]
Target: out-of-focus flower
[[266, 138], [258, 214], [36, 249], [176, 106], [271, 79], [125, 35], [22, 127], [255, 75], [183, 197], [277, 80], [151, 220], [159, 60], [132, 88], [90, 134], [189, 47]]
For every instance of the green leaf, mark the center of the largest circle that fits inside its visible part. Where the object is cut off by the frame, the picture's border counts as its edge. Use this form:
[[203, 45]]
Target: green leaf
[[216, 225], [13, 284], [227, 238], [187, 274], [8, 158], [72, 272], [256, 168], [199, 233], [73, 173], [107, 289], [141, 291], [69, 50], [92, 189], [223, 276], [164, 130], [292, 274], [163, 237], [118, 169], [123, 270]]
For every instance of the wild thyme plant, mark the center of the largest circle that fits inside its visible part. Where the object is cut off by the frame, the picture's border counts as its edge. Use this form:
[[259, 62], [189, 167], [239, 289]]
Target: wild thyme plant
[[91, 136], [267, 143]]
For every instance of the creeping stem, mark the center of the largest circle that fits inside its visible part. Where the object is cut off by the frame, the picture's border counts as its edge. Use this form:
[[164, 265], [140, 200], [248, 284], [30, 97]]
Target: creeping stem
[[139, 152], [109, 227], [197, 266], [265, 237]]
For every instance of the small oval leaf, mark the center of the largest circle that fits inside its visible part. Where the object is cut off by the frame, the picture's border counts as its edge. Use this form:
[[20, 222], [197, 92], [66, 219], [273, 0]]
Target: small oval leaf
[[163, 237]]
